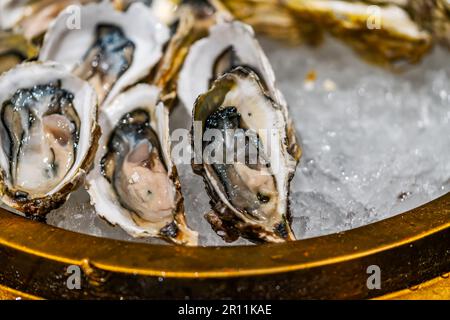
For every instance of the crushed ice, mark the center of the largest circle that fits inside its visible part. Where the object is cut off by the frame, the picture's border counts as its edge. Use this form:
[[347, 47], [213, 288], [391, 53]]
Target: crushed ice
[[375, 144]]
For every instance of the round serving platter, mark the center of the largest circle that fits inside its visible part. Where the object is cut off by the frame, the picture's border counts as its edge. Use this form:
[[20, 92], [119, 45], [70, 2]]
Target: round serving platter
[[409, 249]]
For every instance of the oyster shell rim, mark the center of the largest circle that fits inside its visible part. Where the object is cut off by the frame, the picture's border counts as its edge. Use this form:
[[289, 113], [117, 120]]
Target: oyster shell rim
[[38, 207]]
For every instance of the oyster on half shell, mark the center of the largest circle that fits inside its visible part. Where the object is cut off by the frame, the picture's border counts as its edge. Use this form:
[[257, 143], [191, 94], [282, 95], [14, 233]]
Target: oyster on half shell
[[232, 46], [249, 190], [134, 183], [48, 134], [111, 49]]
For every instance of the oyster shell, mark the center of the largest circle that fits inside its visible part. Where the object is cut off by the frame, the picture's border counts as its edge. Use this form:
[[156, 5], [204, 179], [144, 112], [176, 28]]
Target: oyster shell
[[230, 45], [32, 18], [124, 4], [49, 136], [249, 196], [191, 22], [11, 12], [134, 183], [112, 49], [433, 15], [164, 10], [384, 34], [272, 18], [14, 49]]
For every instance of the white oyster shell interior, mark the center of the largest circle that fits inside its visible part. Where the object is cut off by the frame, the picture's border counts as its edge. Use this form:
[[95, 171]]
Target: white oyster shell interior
[[198, 67], [68, 43]]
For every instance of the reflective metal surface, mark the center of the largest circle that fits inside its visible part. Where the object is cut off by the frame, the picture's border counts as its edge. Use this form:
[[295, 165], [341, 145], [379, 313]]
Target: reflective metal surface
[[410, 249]]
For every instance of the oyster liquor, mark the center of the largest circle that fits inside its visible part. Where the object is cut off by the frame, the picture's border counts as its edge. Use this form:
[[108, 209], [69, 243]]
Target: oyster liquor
[[226, 309]]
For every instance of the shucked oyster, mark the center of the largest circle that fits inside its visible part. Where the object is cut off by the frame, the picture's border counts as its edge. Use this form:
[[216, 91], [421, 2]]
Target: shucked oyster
[[48, 133], [248, 199], [111, 49], [239, 141], [134, 183]]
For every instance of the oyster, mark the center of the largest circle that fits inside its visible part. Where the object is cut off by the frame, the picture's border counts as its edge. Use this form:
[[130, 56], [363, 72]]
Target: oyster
[[14, 49], [164, 10], [191, 22], [384, 34], [243, 83], [11, 11], [48, 135], [273, 18], [112, 49], [433, 15], [124, 4], [32, 17], [228, 45], [247, 180], [134, 183]]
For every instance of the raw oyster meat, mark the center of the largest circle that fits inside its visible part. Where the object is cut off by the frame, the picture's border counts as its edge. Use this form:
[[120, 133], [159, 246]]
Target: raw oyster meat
[[48, 133], [134, 183]]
